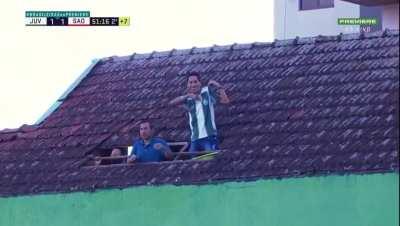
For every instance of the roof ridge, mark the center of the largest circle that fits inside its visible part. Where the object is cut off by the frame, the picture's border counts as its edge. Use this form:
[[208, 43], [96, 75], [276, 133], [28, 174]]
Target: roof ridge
[[237, 46], [9, 130], [24, 128]]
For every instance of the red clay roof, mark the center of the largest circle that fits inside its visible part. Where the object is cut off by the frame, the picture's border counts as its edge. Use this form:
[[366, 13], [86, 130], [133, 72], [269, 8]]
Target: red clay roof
[[302, 107]]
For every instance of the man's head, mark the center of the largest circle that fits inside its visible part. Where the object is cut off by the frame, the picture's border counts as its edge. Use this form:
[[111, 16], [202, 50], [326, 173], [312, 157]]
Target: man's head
[[193, 83], [145, 130], [115, 152]]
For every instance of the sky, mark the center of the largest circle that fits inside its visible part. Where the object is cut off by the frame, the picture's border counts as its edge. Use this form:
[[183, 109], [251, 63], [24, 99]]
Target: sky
[[37, 64]]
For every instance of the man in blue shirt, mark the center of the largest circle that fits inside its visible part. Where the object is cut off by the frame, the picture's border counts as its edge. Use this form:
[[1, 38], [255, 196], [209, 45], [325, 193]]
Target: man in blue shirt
[[148, 148], [200, 103]]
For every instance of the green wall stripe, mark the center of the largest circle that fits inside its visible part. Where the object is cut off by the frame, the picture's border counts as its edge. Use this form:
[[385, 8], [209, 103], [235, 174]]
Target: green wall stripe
[[354, 200]]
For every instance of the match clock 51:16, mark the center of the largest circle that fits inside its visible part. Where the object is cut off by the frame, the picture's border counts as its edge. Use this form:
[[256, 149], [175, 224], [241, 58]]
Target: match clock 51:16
[[104, 21]]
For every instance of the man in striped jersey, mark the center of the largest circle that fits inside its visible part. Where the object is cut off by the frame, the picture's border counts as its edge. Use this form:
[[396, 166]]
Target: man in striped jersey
[[200, 103]]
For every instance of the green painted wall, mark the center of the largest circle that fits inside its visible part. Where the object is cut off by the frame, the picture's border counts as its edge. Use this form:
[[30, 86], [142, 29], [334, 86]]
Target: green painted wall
[[369, 200]]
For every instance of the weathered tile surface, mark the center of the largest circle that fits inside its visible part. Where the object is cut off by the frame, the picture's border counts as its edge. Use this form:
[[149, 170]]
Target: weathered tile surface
[[302, 107]]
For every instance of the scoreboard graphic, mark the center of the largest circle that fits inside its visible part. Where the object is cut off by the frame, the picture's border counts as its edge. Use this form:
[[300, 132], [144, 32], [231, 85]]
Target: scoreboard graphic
[[71, 18]]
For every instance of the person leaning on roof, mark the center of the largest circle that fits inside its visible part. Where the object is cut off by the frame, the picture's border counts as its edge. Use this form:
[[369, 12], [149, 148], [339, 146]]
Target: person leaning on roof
[[148, 148], [116, 152], [199, 102]]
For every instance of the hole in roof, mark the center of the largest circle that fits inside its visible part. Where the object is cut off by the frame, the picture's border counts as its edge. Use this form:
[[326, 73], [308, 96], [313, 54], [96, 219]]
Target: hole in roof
[[118, 156], [107, 156]]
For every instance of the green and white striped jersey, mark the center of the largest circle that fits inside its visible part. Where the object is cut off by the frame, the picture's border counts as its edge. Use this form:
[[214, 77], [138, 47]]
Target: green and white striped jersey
[[201, 114]]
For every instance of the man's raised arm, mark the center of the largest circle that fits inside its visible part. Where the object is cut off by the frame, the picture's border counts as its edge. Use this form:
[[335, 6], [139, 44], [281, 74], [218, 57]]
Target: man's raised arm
[[223, 97], [181, 99]]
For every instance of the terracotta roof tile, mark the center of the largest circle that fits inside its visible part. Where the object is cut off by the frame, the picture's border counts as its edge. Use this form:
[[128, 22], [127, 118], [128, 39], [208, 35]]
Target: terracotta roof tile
[[300, 107]]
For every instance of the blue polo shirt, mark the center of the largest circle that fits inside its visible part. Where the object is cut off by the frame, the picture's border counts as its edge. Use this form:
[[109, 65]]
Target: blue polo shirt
[[149, 153]]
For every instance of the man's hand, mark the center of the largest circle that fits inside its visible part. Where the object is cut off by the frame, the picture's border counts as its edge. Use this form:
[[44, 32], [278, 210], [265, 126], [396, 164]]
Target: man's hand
[[224, 99], [215, 83], [97, 162], [181, 99], [193, 96], [131, 159], [164, 149]]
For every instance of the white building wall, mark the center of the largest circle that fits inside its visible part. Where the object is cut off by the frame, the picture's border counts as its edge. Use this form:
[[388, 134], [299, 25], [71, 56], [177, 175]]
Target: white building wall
[[390, 16], [290, 22]]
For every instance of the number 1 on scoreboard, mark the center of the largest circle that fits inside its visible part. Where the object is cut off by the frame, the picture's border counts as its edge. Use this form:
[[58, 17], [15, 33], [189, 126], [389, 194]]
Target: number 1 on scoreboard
[[57, 21]]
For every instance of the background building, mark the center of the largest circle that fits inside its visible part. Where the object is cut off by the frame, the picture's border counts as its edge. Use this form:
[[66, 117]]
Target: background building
[[305, 18]]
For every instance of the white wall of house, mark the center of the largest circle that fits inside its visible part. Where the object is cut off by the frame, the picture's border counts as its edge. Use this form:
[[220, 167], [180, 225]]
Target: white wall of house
[[290, 22], [390, 16]]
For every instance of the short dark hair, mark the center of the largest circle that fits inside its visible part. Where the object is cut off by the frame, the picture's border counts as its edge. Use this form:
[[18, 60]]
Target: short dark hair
[[194, 74], [145, 121]]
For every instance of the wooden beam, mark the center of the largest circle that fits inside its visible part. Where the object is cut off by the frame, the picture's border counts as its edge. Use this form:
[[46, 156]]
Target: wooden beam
[[110, 157]]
